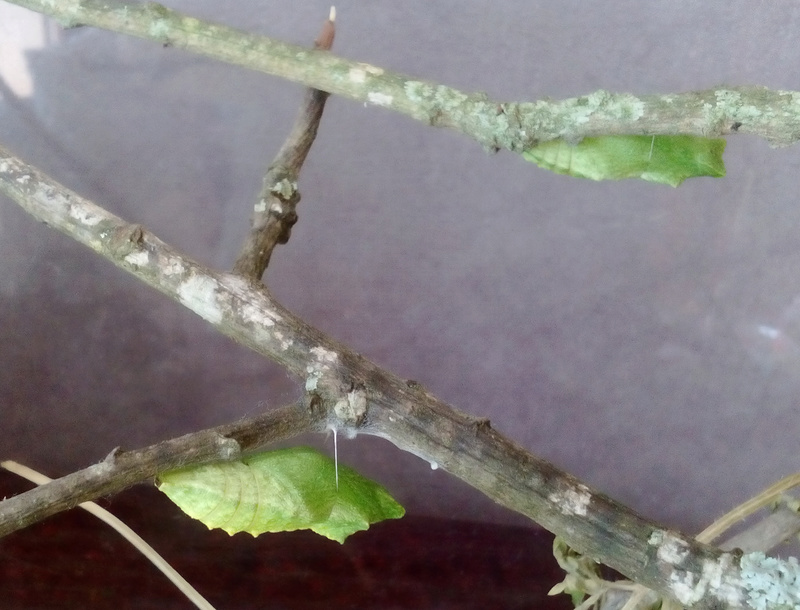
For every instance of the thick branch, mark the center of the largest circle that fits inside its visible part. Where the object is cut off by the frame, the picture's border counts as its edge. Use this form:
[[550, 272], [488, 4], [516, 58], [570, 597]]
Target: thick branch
[[274, 214], [121, 469], [774, 115], [360, 397]]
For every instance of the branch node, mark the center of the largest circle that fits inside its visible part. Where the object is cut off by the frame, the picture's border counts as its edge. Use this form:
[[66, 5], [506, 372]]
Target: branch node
[[481, 425], [228, 448], [126, 239], [351, 410]]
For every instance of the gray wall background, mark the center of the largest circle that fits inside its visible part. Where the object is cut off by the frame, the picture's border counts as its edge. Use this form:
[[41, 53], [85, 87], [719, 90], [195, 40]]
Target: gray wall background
[[645, 339]]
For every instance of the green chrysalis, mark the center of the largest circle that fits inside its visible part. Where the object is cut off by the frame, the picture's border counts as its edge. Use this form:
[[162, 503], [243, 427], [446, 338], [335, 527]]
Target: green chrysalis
[[276, 491], [665, 159]]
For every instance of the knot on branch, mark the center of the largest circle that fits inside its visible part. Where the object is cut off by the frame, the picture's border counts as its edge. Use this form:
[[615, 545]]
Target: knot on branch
[[344, 402]]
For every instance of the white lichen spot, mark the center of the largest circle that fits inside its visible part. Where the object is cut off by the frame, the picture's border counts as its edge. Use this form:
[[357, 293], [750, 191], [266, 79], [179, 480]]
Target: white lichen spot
[[672, 550], [370, 69], [726, 96], [628, 107], [770, 582], [357, 75], [682, 585], [174, 267], [285, 343], [260, 207], [258, 316], [199, 294], [656, 537], [24, 179], [725, 589], [324, 356], [622, 106], [4, 167], [689, 589], [572, 501], [83, 216], [276, 207], [137, 259], [379, 99]]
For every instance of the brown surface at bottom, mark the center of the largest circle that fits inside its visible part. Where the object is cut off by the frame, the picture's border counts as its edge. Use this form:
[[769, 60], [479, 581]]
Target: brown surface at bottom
[[74, 561]]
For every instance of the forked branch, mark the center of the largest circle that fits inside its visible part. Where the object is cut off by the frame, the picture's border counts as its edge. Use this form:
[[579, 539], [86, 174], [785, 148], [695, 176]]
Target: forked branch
[[357, 396]]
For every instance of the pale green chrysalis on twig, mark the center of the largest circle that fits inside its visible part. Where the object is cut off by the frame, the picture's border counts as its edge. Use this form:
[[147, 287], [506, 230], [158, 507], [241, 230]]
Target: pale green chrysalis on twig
[[665, 159], [283, 490]]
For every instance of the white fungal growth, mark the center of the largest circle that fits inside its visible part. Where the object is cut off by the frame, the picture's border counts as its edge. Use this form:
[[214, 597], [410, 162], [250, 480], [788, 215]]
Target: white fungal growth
[[260, 207], [572, 501], [771, 583], [379, 99], [200, 295], [24, 179]]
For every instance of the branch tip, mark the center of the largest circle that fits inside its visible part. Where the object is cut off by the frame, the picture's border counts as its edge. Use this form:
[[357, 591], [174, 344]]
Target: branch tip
[[324, 41]]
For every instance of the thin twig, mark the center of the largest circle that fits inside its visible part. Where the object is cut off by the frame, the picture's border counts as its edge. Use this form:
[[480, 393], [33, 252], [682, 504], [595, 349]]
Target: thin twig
[[766, 497], [123, 530], [274, 214], [515, 126], [121, 469]]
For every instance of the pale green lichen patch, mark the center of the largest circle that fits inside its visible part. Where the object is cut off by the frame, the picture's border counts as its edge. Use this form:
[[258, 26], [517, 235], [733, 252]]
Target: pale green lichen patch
[[159, 28], [285, 188], [771, 583], [729, 104], [417, 91]]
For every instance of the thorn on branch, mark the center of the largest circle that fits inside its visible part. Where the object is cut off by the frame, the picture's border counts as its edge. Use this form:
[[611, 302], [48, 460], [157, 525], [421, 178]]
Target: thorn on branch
[[275, 211]]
